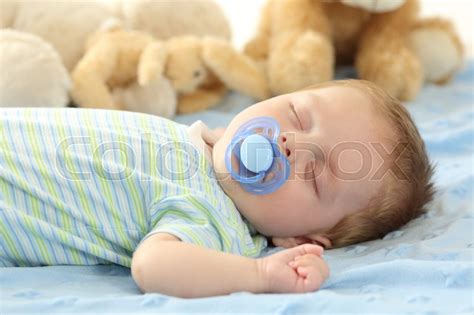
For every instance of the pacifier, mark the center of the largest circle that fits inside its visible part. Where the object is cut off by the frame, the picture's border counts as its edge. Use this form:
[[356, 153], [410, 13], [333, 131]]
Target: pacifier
[[254, 159]]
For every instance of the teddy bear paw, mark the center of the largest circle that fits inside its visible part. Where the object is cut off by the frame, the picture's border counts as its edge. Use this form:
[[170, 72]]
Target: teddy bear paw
[[439, 48], [257, 48], [397, 71], [299, 61]]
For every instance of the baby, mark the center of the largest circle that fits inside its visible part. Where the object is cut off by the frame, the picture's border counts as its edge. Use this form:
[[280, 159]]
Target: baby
[[83, 187]]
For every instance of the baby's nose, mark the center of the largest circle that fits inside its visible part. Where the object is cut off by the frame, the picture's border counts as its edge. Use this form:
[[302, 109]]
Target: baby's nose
[[285, 147]]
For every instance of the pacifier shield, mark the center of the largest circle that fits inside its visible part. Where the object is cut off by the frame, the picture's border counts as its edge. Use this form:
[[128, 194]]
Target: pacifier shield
[[253, 157]]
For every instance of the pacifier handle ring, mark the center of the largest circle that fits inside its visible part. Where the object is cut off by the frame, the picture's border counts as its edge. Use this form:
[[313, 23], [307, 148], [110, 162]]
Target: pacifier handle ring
[[228, 160], [256, 153]]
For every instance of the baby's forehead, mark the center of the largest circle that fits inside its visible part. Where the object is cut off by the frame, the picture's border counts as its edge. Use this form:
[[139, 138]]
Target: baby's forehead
[[346, 112], [347, 88], [353, 92]]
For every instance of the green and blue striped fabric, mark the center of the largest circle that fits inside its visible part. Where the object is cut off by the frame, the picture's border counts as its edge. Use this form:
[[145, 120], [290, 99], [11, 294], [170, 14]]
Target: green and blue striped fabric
[[85, 187]]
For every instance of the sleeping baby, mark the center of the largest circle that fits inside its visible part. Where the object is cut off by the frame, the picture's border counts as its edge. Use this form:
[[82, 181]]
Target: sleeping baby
[[190, 209]]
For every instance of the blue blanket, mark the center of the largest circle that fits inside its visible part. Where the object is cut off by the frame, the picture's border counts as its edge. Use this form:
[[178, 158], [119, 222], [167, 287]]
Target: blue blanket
[[426, 267]]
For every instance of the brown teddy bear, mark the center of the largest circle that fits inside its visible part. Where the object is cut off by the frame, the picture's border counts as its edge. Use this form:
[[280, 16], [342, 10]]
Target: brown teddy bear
[[200, 70], [299, 41]]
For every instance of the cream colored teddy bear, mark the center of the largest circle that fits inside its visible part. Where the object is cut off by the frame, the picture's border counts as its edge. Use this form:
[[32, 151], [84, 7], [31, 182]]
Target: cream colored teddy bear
[[32, 74], [67, 24], [300, 41], [166, 19], [64, 24], [200, 70]]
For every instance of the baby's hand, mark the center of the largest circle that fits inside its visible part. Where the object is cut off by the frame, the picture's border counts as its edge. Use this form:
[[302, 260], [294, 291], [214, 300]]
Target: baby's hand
[[295, 270], [210, 136]]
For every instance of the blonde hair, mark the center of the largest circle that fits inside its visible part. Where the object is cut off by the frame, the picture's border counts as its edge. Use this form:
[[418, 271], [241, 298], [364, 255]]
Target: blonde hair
[[399, 201]]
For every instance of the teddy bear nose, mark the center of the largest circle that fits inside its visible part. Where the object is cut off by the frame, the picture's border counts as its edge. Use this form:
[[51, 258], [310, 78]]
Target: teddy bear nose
[[196, 73]]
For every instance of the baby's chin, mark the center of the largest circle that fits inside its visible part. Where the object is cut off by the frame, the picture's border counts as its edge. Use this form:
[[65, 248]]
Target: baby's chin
[[220, 170], [230, 187]]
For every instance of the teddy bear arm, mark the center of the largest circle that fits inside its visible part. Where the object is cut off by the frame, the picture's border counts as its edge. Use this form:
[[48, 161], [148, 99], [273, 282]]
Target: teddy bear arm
[[234, 69], [90, 77], [91, 92], [257, 47], [100, 59], [201, 99], [384, 57], [151, 63], [293, 17], [394, 68], [301, 50], [398, 21]]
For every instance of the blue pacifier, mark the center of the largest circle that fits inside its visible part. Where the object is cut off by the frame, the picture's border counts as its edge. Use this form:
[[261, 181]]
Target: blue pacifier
[[254, 159]]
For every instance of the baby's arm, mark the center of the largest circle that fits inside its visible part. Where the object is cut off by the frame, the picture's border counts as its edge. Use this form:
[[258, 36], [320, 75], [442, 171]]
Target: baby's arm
[[166, 265]]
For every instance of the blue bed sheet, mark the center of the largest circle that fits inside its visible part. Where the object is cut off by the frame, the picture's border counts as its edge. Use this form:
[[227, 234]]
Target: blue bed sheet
[[424, 268]]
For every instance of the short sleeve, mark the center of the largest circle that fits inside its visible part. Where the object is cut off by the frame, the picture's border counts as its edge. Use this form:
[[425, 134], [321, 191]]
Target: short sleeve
[[192, 229], [194, 220], [183, 219]]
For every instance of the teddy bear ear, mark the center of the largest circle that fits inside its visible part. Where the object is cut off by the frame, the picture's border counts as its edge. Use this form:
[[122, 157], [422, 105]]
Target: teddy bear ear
[[152, 62], [235, 70]]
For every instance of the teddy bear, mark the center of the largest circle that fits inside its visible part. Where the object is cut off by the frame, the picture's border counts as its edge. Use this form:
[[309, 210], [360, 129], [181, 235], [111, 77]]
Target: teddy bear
[[300, 41], [33, 74], [62, 23], [157, 97], [166, 19], [200, 70], [66, 25]]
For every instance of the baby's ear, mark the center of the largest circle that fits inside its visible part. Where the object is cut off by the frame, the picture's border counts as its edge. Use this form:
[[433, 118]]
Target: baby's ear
[[289, 242]]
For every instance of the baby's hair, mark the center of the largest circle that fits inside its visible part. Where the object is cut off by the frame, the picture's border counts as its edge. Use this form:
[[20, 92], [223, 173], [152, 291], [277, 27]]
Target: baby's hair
[[400, 200]]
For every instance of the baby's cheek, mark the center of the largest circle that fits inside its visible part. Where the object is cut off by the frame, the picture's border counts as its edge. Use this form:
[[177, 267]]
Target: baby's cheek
[[290, 198], [350, 163]]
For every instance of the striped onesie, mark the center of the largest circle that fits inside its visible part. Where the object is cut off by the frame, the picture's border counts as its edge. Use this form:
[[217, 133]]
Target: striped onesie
[[84, 187]]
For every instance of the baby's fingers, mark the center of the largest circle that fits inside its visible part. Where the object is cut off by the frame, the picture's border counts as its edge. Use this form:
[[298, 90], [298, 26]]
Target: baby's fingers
[[322, 266], [305, 260], [303, 271], [311, 277], [311, 249], [314, 278]]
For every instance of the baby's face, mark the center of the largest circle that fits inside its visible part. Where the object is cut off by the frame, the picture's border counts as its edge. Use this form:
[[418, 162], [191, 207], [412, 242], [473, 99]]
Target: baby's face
[[326, 135]]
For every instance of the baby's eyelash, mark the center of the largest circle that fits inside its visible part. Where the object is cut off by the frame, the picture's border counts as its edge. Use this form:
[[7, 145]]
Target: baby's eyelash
[[315, 184], [296, 115]]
